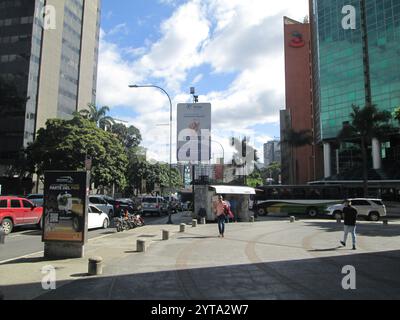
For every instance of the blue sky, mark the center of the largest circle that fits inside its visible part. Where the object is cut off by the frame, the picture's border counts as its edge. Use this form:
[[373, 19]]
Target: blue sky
[[230, 50]]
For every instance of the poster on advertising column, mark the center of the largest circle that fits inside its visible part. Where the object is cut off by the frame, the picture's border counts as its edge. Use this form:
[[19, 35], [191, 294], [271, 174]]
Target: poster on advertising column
[[194, 132], [65, 207]]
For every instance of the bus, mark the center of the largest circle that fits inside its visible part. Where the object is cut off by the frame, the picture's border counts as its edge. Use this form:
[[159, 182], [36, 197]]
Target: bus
[[314, 198]]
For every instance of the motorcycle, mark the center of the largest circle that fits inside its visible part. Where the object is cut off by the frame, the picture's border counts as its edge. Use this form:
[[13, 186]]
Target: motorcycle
[[128, 221], [121, 224]]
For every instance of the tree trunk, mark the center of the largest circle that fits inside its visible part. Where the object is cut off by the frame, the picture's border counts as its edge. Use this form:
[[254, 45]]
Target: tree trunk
[[365, 165]]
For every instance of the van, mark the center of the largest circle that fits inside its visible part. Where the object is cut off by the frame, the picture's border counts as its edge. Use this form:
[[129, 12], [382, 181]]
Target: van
[[154, 205]]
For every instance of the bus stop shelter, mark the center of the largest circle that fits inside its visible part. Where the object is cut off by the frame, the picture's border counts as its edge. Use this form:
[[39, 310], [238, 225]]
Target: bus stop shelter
[[237, 196]]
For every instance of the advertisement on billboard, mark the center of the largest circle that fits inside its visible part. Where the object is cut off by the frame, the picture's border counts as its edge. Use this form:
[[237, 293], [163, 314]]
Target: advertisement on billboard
[[65, 207], [194, 132]]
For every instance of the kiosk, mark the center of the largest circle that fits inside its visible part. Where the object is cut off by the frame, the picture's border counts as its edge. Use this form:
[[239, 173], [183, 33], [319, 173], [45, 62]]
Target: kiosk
[[238, 198]]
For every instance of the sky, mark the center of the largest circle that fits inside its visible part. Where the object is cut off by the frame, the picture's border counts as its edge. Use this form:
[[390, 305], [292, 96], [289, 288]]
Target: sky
[[231, 51]]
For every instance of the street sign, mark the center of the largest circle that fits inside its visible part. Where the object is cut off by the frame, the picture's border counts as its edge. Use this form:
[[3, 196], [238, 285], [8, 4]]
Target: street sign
[[88, 164]]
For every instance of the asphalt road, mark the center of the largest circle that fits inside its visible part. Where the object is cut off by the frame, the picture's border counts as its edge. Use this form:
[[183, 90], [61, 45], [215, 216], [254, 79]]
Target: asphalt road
[[28, 240]]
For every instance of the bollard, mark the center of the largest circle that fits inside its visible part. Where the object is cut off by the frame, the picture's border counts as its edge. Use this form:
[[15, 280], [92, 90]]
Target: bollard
[[95, 266], [203, 221], [182, 228], [292, 219], [339, 221], [2, 236], [194, 223], [141, 246], [165, 235], [385, 222], [252, 219]]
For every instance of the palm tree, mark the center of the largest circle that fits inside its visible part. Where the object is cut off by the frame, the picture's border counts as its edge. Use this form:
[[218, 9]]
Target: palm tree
[[295, 139], [366, 124], [99, 116]]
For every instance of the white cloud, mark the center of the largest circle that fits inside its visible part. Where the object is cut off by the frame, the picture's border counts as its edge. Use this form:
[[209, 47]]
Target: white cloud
[[120, 28], [245, 37]]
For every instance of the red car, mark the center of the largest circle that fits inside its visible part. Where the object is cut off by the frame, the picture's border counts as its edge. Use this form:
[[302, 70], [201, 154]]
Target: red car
[[15, 211]]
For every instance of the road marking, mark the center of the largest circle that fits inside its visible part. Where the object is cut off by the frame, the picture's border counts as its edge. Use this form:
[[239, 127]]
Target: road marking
[[22, 257], [40, 252]]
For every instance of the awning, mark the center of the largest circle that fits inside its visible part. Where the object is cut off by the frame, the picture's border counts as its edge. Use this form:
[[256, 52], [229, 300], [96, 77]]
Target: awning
[[233, 190]]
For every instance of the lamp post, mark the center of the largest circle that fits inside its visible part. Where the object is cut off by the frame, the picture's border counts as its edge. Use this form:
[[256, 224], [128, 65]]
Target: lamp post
[[170, 134]]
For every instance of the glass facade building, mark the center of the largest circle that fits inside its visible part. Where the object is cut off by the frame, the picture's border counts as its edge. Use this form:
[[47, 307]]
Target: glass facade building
[[341, 58], [54, 69], [20, 49]]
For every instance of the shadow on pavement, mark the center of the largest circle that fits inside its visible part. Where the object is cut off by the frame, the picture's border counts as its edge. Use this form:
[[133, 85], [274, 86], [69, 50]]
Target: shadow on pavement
[[364, 229], [377, 276]]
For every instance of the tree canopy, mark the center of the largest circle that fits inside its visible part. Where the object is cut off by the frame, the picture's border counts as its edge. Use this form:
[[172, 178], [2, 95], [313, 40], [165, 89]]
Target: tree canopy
[[65, 144], [97, 115]]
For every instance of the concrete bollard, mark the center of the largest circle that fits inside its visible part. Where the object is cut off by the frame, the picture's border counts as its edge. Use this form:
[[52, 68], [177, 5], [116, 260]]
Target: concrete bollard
[[252, 219], [141, 246], [194, 223], [385, 222], [165, 235], [203, 221], [2, 237], [95, 266], [182, 228], [292, 219]]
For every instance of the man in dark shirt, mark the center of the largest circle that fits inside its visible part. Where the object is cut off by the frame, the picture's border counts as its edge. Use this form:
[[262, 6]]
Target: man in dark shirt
[[350, 221]]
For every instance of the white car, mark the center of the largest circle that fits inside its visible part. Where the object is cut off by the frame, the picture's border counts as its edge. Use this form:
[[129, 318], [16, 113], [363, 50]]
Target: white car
[[371, 209], [97, 218], [102, 204]]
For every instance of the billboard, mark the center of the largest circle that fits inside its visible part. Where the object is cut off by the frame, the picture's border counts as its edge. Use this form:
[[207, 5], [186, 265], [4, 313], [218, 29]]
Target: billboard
[[65, 206], [194, 132]]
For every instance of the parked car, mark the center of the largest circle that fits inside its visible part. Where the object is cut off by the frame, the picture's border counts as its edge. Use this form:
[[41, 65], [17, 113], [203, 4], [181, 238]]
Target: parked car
[[16, 211], [133, 206], [154, 205], [100, 202], [97, 218], [371, 209], [37, 199]]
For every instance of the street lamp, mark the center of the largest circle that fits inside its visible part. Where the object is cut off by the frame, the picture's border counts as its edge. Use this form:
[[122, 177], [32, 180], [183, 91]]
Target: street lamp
[[170, 133]]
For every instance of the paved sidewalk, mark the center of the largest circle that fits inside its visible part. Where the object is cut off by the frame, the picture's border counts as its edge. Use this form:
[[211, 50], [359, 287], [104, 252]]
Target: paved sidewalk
[[269, 259]]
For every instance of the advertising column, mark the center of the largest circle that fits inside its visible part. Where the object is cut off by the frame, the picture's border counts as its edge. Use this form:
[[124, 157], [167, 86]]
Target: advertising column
[[65, 214]]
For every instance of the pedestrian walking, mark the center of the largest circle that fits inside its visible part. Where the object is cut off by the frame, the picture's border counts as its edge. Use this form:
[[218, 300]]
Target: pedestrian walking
[[220, 210], [350, 222]]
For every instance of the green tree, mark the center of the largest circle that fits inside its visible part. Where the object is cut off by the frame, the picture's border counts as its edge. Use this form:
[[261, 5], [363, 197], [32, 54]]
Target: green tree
[[98, 116], [138, 168], [294, 140], [366, 124], [273, 171], [255, 179], [129, 136], [64, 145]]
